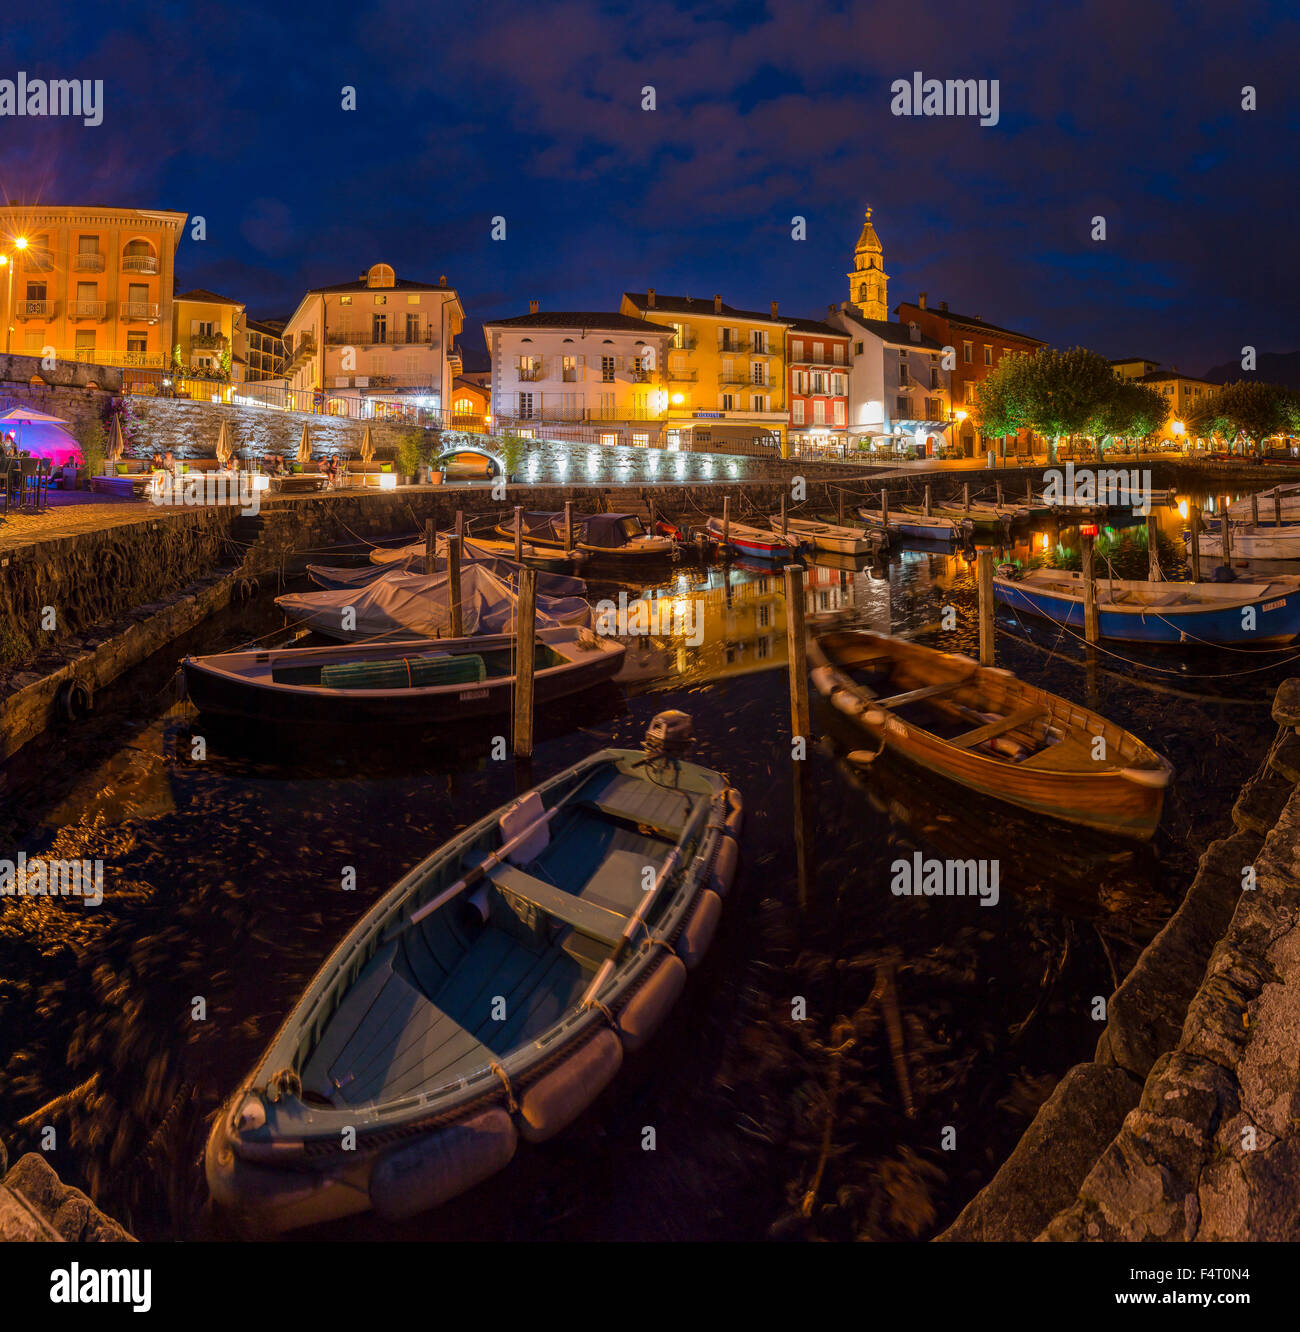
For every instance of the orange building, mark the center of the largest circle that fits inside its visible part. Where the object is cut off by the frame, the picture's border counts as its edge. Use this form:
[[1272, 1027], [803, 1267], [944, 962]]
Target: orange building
[[94, 284]]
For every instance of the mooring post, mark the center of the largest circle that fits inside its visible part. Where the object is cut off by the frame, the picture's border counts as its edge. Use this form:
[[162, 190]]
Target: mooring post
[[884, 507], [927, 499], [1029, 490], [1091, 619], [453, 587], [984, 580], [1153, 549], [998, 487], [1277, 506], [965, 495], [430, 545], [1254, 508], [840, 506], [797, 645], [1195, 517], [519, 533], [1225, 522], [726, 523], [525, 647], [568, 524], [654, 516], [784, 529], [460, 524]]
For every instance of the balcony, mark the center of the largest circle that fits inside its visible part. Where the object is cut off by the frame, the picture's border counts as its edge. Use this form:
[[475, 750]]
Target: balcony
[[765, 350], [132, 360], [87, 310], [139, 263], [138, 311], [731, 345], [208, 341], [38, 261], [530, 375], [34, 309], [88, 262], [416, 337], [743, 379], [684, 376]]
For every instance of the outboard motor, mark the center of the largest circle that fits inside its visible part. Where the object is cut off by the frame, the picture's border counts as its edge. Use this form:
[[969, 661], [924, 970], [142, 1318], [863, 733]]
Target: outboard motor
[[669, 737]]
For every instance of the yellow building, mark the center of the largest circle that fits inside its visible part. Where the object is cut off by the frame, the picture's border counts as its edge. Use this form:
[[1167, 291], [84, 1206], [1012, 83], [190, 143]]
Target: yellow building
[[1184, 393], [726, 372], [264, 349], [868, 281], [210, 336], [95, 284]]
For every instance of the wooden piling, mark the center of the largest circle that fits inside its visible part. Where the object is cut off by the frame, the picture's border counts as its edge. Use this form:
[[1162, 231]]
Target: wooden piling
[[525, 648], [430, 545], [1254, 508], [797, 646], [927, 499], [1225, 524], [519, 533], [984, 581], [965, 495], [654, 516], [1153, 549], [998, 488], [1029, 490], [568, 524], [453, 587], [1091, 617], [840, 496], [784, 520], [884, 507], [460, 524], [1195, 517], [1277, 506], [726, 523]]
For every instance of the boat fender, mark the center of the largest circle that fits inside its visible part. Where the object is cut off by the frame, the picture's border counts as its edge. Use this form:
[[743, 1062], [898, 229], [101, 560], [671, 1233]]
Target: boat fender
[[736, 814], [725, 860], [73, 700], [285, 1082], [846, 702], [1153, 777], [553, 1102], [426, 1173], [697, 934], [823, 679], [641, 1016], [874, 717]]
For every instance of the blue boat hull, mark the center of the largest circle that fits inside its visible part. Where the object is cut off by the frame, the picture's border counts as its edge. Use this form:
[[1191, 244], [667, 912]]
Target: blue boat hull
[[1277, 619]]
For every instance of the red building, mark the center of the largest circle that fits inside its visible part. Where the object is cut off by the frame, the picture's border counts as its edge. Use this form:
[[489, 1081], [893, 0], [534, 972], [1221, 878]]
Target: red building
[[979, 346], [817, 363]]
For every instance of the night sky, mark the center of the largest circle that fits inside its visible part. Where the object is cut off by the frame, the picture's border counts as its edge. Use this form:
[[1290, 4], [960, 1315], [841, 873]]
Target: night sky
[[533, 111]]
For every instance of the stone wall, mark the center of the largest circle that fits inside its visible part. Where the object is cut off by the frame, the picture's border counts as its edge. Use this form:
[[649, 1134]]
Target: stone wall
[[1186, 1125]]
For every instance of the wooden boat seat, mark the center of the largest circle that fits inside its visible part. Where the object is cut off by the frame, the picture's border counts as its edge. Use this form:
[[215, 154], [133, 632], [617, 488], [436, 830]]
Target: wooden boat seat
[[1069, 756], [1013, 721], [643, 803], [916, 695], [590, 918]]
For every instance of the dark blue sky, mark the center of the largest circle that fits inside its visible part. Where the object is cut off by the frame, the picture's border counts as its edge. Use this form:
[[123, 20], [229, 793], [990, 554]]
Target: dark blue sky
[[533, 112]]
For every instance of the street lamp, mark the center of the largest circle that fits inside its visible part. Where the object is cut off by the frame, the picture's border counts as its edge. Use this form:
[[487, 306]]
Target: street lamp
[[8, 261]]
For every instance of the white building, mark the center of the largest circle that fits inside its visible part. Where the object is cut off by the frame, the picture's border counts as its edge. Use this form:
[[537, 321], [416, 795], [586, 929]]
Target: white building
[[384, 338], [899, 392], [601, 371]]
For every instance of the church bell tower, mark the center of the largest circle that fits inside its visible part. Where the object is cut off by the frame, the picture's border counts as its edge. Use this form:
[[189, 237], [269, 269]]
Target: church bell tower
[[868, 282]]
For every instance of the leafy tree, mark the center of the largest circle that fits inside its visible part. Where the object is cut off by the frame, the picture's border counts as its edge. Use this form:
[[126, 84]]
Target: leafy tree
[[94, 446], [1005, 396], [1248, 408], [1133, 409]]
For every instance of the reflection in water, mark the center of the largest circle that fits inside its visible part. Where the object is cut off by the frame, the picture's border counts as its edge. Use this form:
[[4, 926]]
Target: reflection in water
[[797, 1088]]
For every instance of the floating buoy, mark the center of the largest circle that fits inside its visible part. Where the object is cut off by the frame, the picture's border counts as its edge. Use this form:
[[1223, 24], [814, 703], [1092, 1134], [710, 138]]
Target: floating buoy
[[556, 1100], [424, 1174], [73, 700], [645, 1011], [695, 938]]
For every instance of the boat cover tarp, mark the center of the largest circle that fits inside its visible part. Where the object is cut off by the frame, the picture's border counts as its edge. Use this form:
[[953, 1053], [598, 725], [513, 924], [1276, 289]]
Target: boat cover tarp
[[418, 605], [604, 530], [411, 558]]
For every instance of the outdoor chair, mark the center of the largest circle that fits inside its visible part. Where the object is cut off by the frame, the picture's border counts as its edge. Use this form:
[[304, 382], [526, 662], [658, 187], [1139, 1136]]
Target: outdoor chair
[[30, 481], [10, 482]]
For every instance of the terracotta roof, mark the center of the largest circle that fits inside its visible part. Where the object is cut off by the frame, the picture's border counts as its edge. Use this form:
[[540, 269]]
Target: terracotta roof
[[202, 295], [815, 326], [896, 334], [972, 321], [577, 319], [690, 305]]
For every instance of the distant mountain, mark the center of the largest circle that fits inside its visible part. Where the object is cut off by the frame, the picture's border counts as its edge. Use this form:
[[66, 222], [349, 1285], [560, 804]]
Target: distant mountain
[[1272, 367]]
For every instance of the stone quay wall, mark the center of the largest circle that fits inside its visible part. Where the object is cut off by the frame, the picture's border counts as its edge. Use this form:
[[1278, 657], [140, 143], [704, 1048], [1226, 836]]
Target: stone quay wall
[[1186, 1124]]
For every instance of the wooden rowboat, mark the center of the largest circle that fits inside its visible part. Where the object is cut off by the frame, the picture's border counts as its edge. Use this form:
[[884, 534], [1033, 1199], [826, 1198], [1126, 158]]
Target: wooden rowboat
[[986, 730], [917, 527], [837, 539], [395, 684], [758, 543], [490, 995]]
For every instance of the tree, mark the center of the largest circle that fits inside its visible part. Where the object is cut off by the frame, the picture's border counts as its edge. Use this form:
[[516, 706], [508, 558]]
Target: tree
[[1133, 409], [1005, 396], [1248, 407]]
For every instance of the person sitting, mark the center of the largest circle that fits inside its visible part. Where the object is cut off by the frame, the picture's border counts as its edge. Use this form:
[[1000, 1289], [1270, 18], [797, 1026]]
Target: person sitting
[[156, 462]]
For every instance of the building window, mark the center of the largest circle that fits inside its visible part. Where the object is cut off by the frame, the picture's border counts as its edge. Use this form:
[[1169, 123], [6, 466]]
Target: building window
[[607, 369], [796, 349], [970, 395], [967, 352], [902, 374], [525, 409], [345, 300], [839, 413], [569, 369], [413, 298], [904, 408], [758, 403], [378, 328], [819, 411], [413, 328], [857, 349], [641, 441], [609, 439], [381, 300], [681, 335], [758, 340], [988, 355], [757, 375], [85, 339], [934, 376], [838, 357], [728, 402], [797, 411]]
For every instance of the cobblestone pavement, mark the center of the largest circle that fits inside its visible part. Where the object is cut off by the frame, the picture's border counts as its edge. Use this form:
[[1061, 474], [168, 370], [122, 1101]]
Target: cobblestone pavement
[[72, 514]]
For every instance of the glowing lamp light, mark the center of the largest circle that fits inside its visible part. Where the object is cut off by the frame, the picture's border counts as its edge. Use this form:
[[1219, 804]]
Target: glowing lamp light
[[1088, 529], [261, 482], [20, 242], [1182, 508], [961, 416], [387, 480], [678, 399]]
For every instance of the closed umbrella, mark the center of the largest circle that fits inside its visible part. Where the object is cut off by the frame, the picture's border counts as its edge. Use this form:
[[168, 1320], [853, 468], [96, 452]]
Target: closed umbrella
[[224, 450], [116, 444], [367, 447], [304, 447]]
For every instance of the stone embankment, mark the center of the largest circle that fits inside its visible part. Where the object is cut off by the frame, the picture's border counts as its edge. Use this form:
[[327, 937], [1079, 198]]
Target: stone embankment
[[37, 1206], [1186, 1124]]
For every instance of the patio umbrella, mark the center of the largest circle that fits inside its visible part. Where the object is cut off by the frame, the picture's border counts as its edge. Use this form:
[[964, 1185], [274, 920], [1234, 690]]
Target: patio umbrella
[[304, 447], [367, 447], [224, 450], [43, 436], [116, 444]]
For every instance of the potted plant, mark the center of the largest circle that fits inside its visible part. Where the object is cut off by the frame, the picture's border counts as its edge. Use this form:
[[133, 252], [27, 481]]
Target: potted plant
[[94, 450], [513, 449], [409, 455]]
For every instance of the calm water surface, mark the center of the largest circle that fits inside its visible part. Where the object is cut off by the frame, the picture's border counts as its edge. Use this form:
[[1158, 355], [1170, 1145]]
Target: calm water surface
[[224, 896]]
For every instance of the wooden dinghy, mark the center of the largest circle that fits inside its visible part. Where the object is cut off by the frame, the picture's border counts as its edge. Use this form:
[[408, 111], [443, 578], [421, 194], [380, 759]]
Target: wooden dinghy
[[836, 539], [758, 543], [490, 995], [987, 516], [393, 684], [607, 536], [1140, 611], [984, 729], [548, 560], [1265, 542], [917, 527]]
